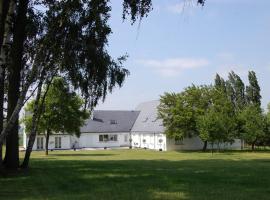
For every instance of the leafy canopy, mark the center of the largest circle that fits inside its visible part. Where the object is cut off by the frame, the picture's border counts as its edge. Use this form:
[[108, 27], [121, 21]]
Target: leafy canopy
[[62, 110]]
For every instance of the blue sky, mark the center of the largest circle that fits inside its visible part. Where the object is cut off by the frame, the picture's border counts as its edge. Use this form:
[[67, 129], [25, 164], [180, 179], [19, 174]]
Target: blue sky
[[180, 43]]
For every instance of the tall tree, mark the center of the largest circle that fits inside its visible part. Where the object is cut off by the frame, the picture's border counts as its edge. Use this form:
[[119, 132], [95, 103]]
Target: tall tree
[[238, 87], [220, 83], [253, 124], [14, 80], [253, 89]]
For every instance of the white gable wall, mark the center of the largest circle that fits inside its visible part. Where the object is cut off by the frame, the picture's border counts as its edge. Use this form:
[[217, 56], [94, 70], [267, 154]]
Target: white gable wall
[[147, 140]]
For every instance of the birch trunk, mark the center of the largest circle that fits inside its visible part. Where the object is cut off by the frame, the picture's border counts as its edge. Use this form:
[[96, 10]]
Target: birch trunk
[[32, 136], [30, 77], [4, 53]]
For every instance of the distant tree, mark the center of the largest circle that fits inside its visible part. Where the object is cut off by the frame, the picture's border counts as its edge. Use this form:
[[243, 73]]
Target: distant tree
[[253, 122], [266, 141], [253, 89], [238, 88], [180, 112], [217, 124], [220, 83], [62, 112]]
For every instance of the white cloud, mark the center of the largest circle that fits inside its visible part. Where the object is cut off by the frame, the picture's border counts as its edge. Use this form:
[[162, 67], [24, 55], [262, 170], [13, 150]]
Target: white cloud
[[174, 66], [177, 8], [184, 6], [225, 56]]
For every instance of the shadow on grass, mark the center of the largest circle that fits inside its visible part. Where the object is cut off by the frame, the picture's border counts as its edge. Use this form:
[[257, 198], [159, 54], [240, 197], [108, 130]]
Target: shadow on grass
[[229, 152], [140, 179], [81, 154]]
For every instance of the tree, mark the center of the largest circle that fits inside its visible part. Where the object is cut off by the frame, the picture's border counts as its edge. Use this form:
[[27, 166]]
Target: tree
[[220, 84], [253, 124], [203, 111], [253, 89], [238, 89], [217, 124], [57, 116], [180, 112]]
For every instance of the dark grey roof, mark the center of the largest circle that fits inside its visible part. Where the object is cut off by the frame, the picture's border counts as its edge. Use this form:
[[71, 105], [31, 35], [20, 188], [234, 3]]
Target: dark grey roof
[[147, 120], [110, 121]]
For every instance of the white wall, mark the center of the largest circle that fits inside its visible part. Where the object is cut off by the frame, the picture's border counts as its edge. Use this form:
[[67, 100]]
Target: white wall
[[24, 140], [91, 140], [65, 142], [149, 140], [196, 143]]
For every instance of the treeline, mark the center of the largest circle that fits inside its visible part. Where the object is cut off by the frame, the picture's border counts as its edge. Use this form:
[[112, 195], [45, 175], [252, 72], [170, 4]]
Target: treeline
[[218, 113]]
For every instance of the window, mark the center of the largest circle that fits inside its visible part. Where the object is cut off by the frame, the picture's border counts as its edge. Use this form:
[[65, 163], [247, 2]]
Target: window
[[57, 142], [113, 121], [101, 138], [178, 141], [40, 143], [106, 138]]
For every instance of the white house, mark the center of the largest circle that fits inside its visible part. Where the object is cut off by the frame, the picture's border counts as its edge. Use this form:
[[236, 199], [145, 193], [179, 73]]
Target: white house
[[103, 129], [110, 128]]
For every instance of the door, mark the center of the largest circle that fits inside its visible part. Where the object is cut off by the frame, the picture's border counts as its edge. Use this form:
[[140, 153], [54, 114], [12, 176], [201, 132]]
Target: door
[[58, 143]]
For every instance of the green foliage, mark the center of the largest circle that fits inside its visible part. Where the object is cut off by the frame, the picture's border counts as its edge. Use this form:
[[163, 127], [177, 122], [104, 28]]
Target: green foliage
[[77, 38], [220, 84], [137, 9], [179, 112], [253, 122], [237, 90], [62, 110], [253, 89], [217, 124]]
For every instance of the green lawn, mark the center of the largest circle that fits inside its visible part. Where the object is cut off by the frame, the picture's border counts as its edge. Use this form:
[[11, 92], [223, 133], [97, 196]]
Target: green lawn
[[141, 174]]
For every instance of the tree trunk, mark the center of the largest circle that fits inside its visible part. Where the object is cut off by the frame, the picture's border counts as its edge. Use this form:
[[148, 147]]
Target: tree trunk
[[204, 145], [30, 77], [253, 146], [14, 78], [35, 119], [6, 9], [47, 142]]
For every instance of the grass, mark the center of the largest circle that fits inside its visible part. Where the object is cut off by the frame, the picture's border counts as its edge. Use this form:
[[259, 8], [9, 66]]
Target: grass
[[141, 174]]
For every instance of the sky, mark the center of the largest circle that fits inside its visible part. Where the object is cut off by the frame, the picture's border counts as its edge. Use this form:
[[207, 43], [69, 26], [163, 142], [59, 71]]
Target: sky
[[180, 44]]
